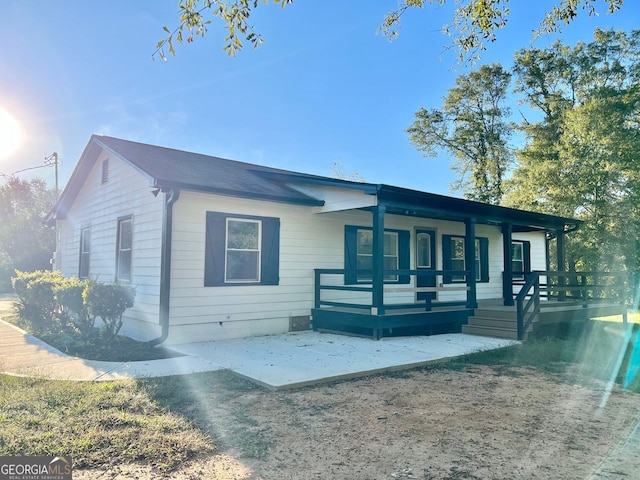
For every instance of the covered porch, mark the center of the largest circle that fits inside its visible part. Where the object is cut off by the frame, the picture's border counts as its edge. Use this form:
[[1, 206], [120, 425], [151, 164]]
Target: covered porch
[[371, 301], [543, 306]]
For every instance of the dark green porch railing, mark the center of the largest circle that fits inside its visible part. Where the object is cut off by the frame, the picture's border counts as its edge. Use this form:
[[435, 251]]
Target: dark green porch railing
[[528, 303], [393, 287], [583, 288]]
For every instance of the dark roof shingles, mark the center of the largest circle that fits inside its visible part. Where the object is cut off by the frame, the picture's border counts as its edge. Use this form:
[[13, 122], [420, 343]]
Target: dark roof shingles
[[203, 172]]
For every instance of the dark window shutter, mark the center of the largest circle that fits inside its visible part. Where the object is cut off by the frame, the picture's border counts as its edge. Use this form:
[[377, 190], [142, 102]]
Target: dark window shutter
[[484, 259], [350, 254], [214, 249], [446, 257], [404, 252], [270, 274], [526, 254]]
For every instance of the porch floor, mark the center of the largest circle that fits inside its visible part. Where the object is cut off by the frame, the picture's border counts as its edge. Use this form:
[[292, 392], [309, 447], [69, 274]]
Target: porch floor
[[493, 319]]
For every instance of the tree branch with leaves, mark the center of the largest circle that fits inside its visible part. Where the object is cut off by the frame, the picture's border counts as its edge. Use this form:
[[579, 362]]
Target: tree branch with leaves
[[194, 22], [474, 23]]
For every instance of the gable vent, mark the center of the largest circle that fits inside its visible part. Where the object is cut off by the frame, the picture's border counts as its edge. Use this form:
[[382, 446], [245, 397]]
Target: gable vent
[[105, 171]]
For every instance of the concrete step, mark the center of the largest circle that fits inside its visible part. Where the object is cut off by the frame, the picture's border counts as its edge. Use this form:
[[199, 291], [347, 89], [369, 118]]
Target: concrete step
[[492, 322], [490, 331]]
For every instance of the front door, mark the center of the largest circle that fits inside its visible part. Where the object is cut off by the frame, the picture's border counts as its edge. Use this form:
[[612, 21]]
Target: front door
[[426, 260]]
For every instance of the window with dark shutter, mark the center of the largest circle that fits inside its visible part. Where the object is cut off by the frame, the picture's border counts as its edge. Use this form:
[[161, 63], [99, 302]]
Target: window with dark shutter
[[520, 259], [453, 258], [241, 250], [358, 254]]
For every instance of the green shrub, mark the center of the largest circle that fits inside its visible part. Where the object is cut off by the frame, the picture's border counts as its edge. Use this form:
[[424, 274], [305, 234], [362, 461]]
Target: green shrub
[[109, 302], [69, 295], [36, 305], [52, 305]]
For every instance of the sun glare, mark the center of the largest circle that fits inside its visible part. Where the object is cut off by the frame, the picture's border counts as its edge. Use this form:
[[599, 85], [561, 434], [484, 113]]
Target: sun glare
[[11, 134]]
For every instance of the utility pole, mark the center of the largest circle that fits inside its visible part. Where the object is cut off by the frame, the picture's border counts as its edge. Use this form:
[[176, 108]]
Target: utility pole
[[53, 160]]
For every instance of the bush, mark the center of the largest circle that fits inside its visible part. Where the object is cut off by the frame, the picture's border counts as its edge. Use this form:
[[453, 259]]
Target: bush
[[108, 301], [36, 305], [50, 304], [73, 309]]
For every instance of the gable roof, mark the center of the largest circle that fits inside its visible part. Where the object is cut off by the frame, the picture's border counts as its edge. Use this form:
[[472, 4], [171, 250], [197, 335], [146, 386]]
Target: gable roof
[[170, 168]]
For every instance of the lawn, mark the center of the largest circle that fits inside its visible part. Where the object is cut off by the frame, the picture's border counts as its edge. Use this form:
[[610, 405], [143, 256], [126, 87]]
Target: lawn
[[632, 317], [95, 423], [166, 421]]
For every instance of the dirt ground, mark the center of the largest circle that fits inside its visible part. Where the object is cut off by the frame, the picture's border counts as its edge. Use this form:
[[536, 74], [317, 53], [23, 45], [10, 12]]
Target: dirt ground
[[475, 422]]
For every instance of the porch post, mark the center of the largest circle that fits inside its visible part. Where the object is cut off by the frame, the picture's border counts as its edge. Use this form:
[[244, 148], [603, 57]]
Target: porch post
[[507, 277], [470, 261], [561, 263], [378, 260]]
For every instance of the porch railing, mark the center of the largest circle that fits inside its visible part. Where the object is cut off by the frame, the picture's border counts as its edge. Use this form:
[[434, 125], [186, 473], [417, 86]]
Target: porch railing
[[558, 288], [528, 303], [581, 287], [390, 287]]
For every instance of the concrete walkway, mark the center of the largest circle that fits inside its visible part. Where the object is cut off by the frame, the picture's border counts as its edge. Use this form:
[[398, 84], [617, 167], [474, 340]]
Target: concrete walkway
[[276, 361], [22, 354]]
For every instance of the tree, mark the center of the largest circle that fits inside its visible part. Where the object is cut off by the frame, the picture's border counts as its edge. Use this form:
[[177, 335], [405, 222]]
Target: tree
[[580, 155], [472, 127], [25, 242], [474, 22], [580, 158], [337, 171]]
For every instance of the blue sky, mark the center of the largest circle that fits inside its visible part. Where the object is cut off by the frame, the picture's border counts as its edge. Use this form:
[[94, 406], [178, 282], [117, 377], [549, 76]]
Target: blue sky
[[323, 88]]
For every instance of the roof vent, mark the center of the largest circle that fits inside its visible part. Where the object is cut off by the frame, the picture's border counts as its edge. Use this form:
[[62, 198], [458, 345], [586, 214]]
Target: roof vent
[[105, 171]]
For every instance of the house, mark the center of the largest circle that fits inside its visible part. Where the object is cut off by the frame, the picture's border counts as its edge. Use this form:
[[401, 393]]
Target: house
[[218, 249]]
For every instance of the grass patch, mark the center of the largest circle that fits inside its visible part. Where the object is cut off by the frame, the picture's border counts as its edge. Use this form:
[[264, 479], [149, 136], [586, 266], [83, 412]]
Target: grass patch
[[632, 317], [159, 421], [205, 399], [606, 351], [95, 423], [6, 303]]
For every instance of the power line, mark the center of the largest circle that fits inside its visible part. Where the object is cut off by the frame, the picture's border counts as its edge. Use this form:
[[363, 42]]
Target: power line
[[51, 160]]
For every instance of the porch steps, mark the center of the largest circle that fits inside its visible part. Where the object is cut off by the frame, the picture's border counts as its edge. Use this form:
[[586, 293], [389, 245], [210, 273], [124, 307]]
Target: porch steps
[[488, 322]]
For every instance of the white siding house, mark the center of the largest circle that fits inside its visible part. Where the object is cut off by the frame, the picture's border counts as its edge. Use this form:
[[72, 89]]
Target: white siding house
[[218, 249]]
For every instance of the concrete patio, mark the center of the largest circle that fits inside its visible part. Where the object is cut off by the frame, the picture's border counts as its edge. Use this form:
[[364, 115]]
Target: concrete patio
[[276, 362], [305, 358]]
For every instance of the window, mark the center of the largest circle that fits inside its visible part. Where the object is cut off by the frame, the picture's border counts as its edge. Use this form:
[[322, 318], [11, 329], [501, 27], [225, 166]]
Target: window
[[359, 254], [423, 249], [105, 171], [241, 250], [457, 260], [85, 252], [520, 259], [123, 249], [365, 254], [453, 258]]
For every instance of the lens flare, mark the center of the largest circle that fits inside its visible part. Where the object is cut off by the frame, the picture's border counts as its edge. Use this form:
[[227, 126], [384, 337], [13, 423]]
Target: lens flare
[[11, 134]]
